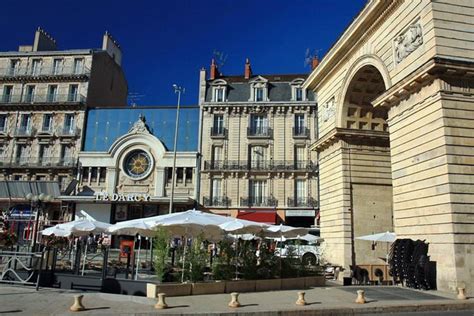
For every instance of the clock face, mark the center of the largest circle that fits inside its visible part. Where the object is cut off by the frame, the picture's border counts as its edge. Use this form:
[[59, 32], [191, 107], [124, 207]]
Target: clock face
[[138, 164]]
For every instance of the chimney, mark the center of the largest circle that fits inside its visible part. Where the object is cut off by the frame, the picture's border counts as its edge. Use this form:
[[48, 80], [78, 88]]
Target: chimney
[[248, 69], [112, 47], [314, 62], [214, 71], [43, 41]]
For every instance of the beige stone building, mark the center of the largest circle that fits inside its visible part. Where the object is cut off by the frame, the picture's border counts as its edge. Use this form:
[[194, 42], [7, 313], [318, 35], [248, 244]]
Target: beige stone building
[[396, 101], [256, 131], [44, 94]]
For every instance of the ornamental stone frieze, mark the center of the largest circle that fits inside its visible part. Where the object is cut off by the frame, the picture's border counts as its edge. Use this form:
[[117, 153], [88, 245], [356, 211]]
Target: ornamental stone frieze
[[407, 42]]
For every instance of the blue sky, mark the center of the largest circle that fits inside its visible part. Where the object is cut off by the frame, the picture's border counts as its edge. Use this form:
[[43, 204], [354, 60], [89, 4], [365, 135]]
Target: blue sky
[[166, 42]]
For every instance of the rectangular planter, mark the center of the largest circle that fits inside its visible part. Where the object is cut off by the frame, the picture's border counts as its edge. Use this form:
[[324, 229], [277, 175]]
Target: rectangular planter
[[172, 289], [314, 281], [268, 285], [293, 284], [201, 288], [240, 286]]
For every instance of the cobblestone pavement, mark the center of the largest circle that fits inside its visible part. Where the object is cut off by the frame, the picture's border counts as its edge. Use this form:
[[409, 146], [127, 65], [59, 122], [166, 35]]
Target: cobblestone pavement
[[17, 300]]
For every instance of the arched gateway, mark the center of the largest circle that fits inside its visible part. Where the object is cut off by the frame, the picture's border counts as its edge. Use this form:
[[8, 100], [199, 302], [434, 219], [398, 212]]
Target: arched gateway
[[396, 134]]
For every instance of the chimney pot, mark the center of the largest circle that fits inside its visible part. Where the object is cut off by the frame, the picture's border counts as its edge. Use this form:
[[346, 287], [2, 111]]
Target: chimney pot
[[314, 62], [214, 72], [248, 69]]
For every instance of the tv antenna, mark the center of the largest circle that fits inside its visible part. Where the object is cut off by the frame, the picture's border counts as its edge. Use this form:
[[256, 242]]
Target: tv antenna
[[134, 97], [310, 55], [220, 58]]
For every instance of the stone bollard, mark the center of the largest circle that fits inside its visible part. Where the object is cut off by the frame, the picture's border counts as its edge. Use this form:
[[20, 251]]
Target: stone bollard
[[360, 297], [161, 301], [77, 306], [461, 293], [234, 301], [301, 300]]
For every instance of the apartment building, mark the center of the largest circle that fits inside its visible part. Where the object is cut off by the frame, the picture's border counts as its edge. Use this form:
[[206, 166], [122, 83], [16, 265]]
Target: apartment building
[[44, 94], [255, 136]]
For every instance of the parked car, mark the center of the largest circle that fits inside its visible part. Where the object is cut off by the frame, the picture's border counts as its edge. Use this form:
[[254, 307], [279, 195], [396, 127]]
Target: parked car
[[309, 253]]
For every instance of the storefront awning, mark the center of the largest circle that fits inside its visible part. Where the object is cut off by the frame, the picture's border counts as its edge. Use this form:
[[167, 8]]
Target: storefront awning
[[260, 216], [19, 189]]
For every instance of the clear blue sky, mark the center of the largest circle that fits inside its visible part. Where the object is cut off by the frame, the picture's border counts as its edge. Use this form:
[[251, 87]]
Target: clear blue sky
[[166, 42]]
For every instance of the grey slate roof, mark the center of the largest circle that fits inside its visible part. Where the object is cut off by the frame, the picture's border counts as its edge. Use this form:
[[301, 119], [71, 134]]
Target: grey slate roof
[[238, 88]]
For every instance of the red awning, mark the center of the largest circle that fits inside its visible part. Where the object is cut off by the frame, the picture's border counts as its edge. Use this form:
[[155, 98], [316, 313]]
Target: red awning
[[267, 217]]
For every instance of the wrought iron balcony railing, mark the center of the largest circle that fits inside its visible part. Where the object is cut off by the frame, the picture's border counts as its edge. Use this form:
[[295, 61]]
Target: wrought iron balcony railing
[[10, 72], [218, 132], [300, 132], [265, 201], [47, 98], [68, 131], [217, 201], [259, 132], [266, 165], [25, 131], [302, 202], [39, 162]]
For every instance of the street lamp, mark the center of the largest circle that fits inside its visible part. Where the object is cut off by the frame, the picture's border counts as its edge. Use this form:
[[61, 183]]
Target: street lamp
[[178, 90], [38, 201]]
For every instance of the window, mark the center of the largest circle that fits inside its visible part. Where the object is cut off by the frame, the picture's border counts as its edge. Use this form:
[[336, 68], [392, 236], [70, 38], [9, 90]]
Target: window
[[3, 122], [93, 175], [25, 122], [22, 154], [218, 127], [30, 94], [169, 175], [14, 67], [258, 94], [217, 153], [85, 174], [47, 123], [216, 188], [69, 123], [66, 155], [2, 152], [44, 154], [7, 93], [57, 63], [102, 174], [299, 94], [179, 175], [300, 157], [257, 157], [72, 96], [62, 180], [300, 191], [53, 93], [219, 95], [300, 129], [78, 66], [36, 67], [189, 175], [258, 190], [258, 124]]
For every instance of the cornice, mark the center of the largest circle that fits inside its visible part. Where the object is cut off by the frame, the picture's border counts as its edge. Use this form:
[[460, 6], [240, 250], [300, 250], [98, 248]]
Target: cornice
[[352, 136]]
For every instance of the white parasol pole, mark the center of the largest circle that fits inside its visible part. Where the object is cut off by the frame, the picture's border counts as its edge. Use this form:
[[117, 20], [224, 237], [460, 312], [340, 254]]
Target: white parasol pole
[[138, 256], [84, 261], [184, 256]]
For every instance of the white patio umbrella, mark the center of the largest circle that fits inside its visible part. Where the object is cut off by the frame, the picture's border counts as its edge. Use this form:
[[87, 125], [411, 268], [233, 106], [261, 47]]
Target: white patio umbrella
[[387, 237], [239, 226], [132, 228], [285, 231], [56, 231], [78, 227]]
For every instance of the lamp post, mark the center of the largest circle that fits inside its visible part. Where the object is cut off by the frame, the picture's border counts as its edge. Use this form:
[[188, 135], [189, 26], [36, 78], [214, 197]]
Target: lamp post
[[178, 90], [38, 201]]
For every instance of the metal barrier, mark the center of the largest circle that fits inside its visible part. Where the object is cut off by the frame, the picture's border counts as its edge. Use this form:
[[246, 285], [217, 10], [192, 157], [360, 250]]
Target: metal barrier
[[21, 267]]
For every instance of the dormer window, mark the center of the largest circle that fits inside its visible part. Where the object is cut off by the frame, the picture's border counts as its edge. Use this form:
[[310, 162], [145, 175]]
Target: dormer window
[[297, 92], [219, 88], [259, 90]]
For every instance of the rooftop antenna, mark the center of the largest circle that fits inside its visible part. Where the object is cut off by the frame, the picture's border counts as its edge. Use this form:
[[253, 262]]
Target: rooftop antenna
[[133, 97], [220, 58], [309, 55]]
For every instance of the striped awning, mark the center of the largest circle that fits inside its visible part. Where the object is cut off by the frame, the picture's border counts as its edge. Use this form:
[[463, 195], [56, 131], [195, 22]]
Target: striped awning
[[19, 189]]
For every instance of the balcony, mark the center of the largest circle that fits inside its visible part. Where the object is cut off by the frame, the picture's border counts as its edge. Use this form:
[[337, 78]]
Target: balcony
[[259, 132], [72, 98], [46, 131], [303, 202], [22, 72], [68, 131], [218, 132], [39, 162], [25, 131], [258, 201], [300, 132], [220, 201], [267, 165]]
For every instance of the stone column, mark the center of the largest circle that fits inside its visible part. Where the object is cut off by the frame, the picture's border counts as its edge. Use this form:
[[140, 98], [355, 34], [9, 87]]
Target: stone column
[[160, 182]]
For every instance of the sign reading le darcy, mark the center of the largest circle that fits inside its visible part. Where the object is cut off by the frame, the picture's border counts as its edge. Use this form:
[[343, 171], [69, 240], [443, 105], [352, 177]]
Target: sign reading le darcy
[[114, 197]]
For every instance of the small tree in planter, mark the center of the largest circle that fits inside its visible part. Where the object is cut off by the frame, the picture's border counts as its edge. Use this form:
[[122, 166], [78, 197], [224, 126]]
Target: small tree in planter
[[196, 261], [249, 260], [222, 269], [266, 261], [160, 253]]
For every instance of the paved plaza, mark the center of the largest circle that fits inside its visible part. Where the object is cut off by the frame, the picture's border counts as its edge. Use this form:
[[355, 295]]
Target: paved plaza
[[332, 300]]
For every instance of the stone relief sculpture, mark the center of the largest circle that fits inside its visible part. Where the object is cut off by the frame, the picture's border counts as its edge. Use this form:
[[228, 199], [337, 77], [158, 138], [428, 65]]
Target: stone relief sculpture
[[408, 42], [328, 110], [139, 126]]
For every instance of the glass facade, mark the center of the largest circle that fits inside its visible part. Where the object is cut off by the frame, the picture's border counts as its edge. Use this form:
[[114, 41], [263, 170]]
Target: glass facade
[[104, 126]]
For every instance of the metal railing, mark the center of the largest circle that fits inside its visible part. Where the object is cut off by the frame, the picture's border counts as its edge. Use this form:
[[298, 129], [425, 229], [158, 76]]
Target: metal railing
[[68, 131], [259, 132], [267, 165], [21, 267], [267, 201], [39, 162], [25, 131], [300, 132], [44, 98], [44, 71], [218, 132], [219, 201], [302, 202]]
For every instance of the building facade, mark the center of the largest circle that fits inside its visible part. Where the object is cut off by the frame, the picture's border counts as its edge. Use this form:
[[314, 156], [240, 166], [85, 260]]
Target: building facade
[[256, 131], [396, 95], [125, 168]]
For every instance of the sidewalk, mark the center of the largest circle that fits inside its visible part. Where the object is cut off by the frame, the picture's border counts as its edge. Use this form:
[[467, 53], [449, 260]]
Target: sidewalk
[[16, 300]]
